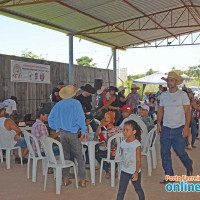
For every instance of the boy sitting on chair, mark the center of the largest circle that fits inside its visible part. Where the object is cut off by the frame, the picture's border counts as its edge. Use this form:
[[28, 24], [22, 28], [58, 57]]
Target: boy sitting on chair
[[110, 130]]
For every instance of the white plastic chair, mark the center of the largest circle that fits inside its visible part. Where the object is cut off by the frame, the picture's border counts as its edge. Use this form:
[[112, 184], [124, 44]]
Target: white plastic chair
[[153, 149], [146, 148], [58, 165], [30, 141], [7, 143], [119, 138], [1, 154]]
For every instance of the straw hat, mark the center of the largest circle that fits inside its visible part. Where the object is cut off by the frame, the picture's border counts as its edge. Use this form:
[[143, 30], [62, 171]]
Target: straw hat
[[121, 88], [175, 76], [134, 86], [68, 92], [103, 88]]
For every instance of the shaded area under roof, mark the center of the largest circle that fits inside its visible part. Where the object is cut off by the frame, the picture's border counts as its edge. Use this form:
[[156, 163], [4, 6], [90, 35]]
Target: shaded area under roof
[[113, 23]]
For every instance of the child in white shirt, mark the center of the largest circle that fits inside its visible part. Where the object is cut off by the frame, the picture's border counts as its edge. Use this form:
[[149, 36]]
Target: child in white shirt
[[131, 160]]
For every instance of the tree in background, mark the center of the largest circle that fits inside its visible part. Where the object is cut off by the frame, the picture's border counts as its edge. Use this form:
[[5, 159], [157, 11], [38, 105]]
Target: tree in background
[[85, 61], [29, 54], [194, 71]]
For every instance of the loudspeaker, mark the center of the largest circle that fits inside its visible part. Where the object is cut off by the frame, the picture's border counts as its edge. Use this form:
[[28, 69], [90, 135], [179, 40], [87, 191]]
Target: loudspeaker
[[98, 83]]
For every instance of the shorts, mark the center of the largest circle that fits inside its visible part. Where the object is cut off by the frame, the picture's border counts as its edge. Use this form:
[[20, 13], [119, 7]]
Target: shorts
[[21, 143]]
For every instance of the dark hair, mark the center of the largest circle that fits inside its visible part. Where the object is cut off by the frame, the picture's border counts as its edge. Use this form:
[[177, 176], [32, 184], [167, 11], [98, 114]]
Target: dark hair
[[41, 111], [136, 127]]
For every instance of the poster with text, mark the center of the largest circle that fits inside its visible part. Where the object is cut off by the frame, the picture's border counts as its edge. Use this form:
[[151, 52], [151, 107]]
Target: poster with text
[[29, 72]]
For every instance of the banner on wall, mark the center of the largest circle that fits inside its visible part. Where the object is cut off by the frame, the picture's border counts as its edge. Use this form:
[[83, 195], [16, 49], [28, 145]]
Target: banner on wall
[[29, 72]]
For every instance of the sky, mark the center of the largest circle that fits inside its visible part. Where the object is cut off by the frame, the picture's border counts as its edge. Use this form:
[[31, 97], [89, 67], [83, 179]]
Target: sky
[[16, 36]]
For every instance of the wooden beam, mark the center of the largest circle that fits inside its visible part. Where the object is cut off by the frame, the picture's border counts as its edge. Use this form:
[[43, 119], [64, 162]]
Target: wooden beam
[[98, 19], [138, 10]]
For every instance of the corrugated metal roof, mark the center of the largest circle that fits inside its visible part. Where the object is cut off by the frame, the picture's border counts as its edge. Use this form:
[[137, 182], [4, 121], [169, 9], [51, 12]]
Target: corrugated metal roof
[[114, 23]]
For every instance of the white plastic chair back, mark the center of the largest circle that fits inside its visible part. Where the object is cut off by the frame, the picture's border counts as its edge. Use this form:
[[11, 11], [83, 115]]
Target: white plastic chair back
[[30, 141], [7, 138], [149, 139], [118, 138], [48, 145]]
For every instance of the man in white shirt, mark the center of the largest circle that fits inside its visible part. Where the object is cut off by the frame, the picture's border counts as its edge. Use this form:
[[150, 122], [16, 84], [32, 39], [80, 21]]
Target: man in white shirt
[[11, 106], [174, 109]]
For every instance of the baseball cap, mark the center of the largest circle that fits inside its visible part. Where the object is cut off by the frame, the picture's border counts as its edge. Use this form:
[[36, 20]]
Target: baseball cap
[[108, 118], [2, 105], [127, 107], [144, 106]]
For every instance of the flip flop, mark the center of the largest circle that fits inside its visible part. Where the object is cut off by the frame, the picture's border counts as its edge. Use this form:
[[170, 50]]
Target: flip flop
[[82, 184], [66, 184]]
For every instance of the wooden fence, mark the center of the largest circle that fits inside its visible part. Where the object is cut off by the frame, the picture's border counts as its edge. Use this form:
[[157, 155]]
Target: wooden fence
[[31, 95]]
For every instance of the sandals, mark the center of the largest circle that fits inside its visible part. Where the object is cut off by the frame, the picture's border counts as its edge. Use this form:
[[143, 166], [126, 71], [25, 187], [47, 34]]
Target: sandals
[[66, 182], [82, 183]]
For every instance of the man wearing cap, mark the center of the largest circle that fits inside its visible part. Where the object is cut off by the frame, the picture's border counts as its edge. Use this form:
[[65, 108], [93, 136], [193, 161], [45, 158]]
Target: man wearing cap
[[86, 99], [15, 133], [11, 106], [101, 100], [144, 113], [55, 92], [68, 117], [133, 97], [174, 109], [127, 113]]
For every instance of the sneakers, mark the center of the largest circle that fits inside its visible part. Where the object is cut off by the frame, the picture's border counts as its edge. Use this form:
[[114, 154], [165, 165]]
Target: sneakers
[[18, 160], [190, 171]]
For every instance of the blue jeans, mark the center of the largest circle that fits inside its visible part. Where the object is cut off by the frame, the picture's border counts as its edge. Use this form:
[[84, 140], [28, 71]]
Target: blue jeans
[[93, 123], [194, 131], [172, 137], [124, 180]]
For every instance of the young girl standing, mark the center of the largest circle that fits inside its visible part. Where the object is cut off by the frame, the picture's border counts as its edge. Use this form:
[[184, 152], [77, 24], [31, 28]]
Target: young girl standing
[[131, 160]]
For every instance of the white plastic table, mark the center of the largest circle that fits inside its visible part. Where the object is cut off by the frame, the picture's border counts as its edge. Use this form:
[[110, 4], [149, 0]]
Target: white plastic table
[[91, 151], [25, 128]]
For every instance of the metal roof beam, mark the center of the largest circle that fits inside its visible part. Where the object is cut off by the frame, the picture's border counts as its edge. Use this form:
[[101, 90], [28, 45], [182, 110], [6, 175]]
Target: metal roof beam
[[197, 12], [132, 19], [20, 3], [161, 38], [54, 26], [190, 12], [138, 10], [95, 18]]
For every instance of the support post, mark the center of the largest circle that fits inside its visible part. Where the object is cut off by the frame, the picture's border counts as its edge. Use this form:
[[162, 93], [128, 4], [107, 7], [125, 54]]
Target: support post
[[71, 81], [114, 67]]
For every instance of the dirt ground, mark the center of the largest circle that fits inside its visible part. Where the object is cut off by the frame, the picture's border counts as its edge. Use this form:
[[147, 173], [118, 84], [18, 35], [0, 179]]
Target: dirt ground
[[15, 186]]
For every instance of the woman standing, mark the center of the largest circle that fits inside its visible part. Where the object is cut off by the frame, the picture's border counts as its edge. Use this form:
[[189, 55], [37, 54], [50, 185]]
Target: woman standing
[[113, 103], [122, 99]]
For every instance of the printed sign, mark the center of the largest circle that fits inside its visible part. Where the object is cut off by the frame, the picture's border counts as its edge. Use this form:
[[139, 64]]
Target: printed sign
[[29, 72]]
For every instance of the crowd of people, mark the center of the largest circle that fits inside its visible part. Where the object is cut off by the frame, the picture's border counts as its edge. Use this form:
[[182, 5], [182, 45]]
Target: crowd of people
[[177, 114]]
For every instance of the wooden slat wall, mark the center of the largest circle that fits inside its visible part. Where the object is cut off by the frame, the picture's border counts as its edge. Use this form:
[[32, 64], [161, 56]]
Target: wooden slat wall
[[31, 95]]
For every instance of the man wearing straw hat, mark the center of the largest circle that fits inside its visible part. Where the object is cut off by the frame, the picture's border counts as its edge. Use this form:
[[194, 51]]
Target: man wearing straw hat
[[133, 97], [68, 117], [174, 109]]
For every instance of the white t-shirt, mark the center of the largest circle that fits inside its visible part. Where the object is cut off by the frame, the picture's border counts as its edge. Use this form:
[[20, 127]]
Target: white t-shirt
[[129, 156], [174, 113], [139, 121], [11, 105]]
